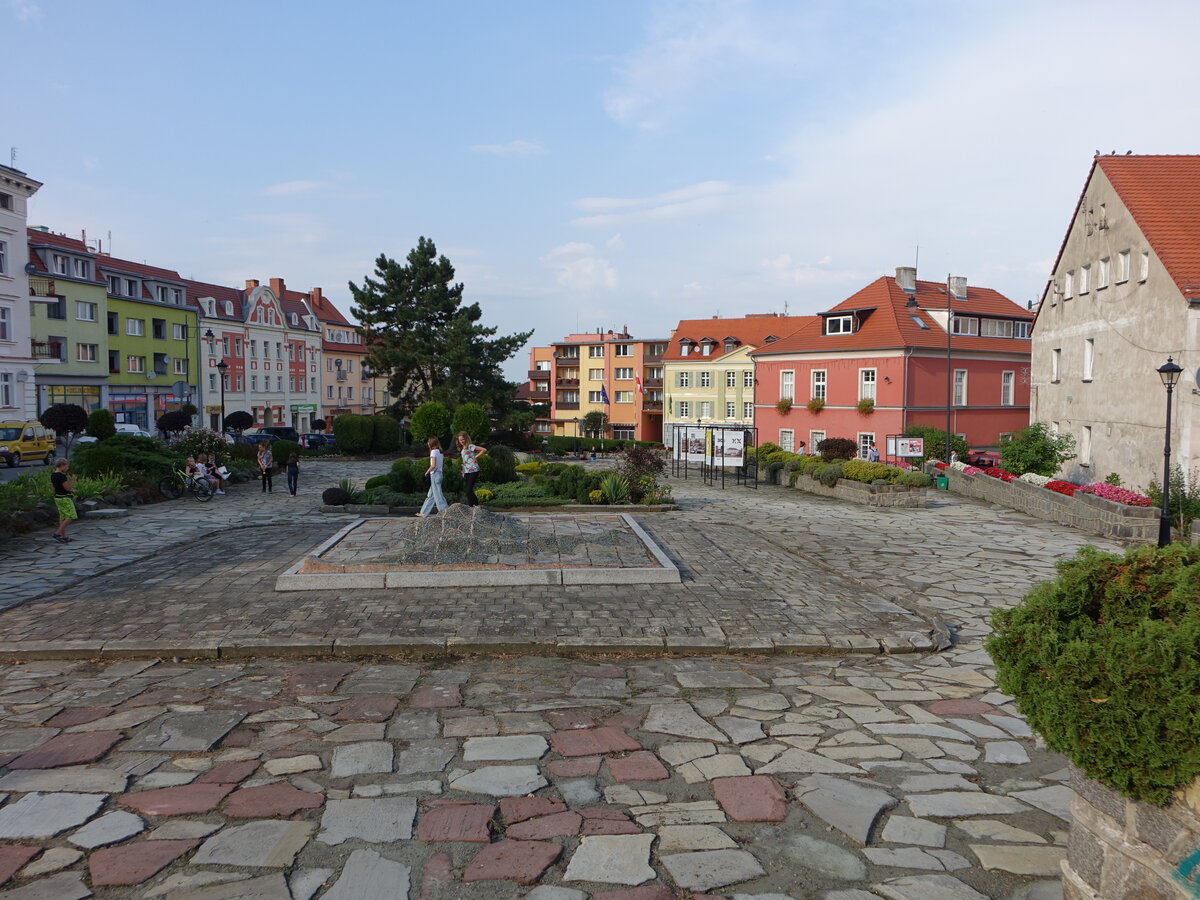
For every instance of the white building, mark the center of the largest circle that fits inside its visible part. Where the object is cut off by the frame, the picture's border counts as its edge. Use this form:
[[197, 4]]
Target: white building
[[18, 389], [1124, 296]]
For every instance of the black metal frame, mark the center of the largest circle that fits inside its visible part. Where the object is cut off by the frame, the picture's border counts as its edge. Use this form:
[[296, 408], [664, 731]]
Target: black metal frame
[[680, 465]]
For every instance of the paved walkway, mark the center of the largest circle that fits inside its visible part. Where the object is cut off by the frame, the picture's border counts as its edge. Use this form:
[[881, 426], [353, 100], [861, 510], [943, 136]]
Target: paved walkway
[[772, 569]]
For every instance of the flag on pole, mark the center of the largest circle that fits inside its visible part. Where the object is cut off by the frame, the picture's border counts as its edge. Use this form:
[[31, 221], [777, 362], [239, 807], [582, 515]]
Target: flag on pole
[[639, 385], [603, 395]]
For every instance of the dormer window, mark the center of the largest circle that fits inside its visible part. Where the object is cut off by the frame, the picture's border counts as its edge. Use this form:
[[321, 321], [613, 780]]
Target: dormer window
[[839, 325], [706, 349], [685, 348], [295, 319], [227, 305]]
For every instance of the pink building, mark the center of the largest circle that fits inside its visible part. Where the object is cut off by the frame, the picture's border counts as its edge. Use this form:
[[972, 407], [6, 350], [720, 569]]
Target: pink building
[[877, 363]]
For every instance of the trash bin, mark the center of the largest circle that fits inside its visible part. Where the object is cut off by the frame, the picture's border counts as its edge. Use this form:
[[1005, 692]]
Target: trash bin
[[942, 483]]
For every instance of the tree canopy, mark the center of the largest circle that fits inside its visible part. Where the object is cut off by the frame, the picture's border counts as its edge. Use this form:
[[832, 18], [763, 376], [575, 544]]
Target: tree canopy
[[420, 334]]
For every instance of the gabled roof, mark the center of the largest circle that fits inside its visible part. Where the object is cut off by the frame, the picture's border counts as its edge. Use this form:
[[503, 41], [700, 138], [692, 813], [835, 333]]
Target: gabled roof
[[325, 311], [889, 323], [1162, 193], [748, 330], [198, 289]]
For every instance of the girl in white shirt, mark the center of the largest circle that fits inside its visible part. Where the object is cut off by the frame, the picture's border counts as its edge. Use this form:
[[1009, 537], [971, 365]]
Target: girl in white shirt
[[434, 473]]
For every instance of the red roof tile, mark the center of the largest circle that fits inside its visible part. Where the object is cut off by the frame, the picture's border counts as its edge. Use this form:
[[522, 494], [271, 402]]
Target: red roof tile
[[752, 330], [38, 238], [1163, 195], [115, 264], [890, 323], [198, 289]]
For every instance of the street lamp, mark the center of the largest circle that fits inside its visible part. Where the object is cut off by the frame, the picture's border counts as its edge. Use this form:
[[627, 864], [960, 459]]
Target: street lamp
[[577, 435], [222, 368], [1169, 373]]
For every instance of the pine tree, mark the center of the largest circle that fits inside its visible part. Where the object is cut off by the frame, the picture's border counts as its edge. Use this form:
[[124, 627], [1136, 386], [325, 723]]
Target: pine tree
[[420, 334]]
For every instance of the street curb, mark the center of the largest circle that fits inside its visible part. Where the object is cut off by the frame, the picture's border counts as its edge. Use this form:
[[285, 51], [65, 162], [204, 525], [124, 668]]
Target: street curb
[[413, 646]]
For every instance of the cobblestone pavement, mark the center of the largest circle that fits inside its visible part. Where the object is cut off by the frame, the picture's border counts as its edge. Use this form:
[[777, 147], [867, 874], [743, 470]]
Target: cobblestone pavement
[[766, 569], [903, 777]]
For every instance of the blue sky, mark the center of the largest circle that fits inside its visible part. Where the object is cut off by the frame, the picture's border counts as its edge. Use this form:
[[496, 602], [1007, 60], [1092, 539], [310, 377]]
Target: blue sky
[[591, 165]]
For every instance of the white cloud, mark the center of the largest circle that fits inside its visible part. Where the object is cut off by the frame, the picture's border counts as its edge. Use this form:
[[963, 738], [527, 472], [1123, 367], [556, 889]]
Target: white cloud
[[695, 199], [292, 188], [577, 268], [25, 10], [512, 148], [615, 243]]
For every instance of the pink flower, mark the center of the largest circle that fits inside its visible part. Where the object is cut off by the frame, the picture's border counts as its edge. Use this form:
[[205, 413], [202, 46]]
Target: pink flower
[[1116, 494], [972, 470]]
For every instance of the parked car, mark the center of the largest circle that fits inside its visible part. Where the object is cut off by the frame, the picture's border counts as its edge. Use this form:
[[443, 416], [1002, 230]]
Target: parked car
[[313, 441], [259, 436], [283, 432], [25, 440], [128, 428]]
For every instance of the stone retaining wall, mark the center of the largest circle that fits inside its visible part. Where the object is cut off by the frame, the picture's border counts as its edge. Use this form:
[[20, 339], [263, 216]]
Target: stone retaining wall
[[894, 495], [1138, 524], [1121, 849]]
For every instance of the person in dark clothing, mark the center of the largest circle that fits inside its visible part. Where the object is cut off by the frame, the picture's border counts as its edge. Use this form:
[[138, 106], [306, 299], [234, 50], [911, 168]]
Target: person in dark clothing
[[293, 474], [64, 485], [265, 464]]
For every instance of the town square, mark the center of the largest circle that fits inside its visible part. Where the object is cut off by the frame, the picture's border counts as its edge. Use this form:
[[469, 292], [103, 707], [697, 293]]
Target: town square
[[676, 450]]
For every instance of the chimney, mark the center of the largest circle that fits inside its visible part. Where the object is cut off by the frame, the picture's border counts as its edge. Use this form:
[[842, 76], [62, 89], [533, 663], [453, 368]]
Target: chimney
[[251, 283], [958, 287], [316, 296], [277, 287], [906, 279]]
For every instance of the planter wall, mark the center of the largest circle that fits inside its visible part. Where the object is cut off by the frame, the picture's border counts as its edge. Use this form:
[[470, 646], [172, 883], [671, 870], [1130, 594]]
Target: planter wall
[[1121, 849], [1138, 524], [894, 495]]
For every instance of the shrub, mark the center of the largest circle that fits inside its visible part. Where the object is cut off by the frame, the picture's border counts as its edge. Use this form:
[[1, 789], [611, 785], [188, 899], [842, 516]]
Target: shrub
[[173, 422], [866, 406], [866, 472], [828, 473], [100, 425], [1184, 499], [530, 468], [1036, 448], [281, 450], [615, 489], [201, 440], [641, 468], [385, 434], [483, 495], [239, 420], [1107, 491], [99, 457], [242, 451], [407, 475], [125, 453], [914, 479], [837, 448], [429, 420], [1105, 663], [784, 405], [1114, 479], [596, 497], [353, 433], [378, 481], [471, 418], [66, 420], [335, 496], [498, 465], [808, 463], [816, 404], [1061, 487], [935, 441]]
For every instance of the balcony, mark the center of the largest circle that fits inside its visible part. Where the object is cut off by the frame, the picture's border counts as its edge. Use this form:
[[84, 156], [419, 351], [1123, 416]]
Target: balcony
[[539, 374], [341, 374], [41, 286], [47, 351], [539, 396], [652, 383], [655, 360], [566, 382], [567, 404], [652, 406]]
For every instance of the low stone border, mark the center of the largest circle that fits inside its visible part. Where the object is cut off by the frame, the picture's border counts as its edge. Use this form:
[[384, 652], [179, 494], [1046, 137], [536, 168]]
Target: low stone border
[[882, 495], [294, 579], [572, 508]]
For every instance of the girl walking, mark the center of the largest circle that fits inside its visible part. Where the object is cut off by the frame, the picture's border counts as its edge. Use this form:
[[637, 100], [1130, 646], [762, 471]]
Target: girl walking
[[434, 474], [470, 465], [293, 473], [265, 462]]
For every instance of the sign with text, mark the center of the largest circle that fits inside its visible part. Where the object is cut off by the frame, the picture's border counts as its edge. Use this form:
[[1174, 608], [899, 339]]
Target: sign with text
[[906, 447]]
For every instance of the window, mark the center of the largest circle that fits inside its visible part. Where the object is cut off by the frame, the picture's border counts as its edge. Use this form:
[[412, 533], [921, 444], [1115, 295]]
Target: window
[[1122, 267], [164, 294], [313, 382], [279, 386], [86, 352], [212, 382], [683, 379], [730, 409], [814, 439], [787, 439], [624, 374], [866, 384], [279, 354], [596, 351], [329, 391], [748, 409], [1055, 365], [748, 379], [1085, 279], [237, 347], [225, 346], [254, 382], [1144, 271], [6, 380], [5, 323], [80, 268], [623, 350], [1085, 445], [1007, 380], [181, 366], [623, 396], [705, 379], [654, 372], [622, 434], [996, 328], [3, 257], [179, 332], [85, 312], [919, 322], [787, 385], [328, 361], [135, 364], [685, 409], [595, 397], [818, 384], [839, 324], [1089, 357], [114, 285], [135, 327], [731, 379], [159, 328], [1103, 274], [1068, 282], [706, 349], [595, 374], [177, 296], [569, 353], [960, 387], [865, 440], [1021, 330], [59, 264], [685, 349], [6, 202], [131, 288], [964, 325], [292, 383], [240, 383], [568, 397]]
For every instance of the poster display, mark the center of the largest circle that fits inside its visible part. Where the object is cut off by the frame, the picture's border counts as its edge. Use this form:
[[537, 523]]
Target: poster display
[[906, 447], [720, 446]]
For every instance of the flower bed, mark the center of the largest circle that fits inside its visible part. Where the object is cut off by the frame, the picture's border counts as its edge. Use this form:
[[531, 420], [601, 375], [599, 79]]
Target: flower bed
[[1061, 487], [1115, 494], [996, 472]]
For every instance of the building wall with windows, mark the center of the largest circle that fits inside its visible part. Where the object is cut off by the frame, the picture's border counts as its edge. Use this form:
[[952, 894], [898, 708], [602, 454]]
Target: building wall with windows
[[68, 308], [18, 378], [1124, 295], [347, 385]]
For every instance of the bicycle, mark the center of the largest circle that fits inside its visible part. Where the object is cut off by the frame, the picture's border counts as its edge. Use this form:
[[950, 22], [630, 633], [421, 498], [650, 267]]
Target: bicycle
[[180, 482]]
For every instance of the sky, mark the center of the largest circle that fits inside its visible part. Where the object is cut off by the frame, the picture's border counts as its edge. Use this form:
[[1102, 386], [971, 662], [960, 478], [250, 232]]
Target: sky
[[591, 165]]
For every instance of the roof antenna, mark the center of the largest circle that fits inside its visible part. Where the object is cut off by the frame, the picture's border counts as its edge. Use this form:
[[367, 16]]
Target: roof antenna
[[12, 158], [785, 307], [917, 258]]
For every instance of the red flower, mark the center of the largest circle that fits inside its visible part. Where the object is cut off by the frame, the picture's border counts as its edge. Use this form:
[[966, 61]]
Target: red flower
[[997, 472], [1062, 487]]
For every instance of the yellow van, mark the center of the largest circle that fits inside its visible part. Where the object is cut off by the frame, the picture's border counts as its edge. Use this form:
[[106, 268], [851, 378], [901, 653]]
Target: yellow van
[[25, 441]]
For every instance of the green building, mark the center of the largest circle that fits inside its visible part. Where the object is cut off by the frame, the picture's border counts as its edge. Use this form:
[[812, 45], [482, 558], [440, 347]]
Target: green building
[[152, 341], [67, 322]]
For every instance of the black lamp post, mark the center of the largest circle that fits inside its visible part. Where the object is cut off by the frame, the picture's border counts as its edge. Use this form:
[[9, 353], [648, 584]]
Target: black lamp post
[[1169, 373], [577, 435], [222, 368]]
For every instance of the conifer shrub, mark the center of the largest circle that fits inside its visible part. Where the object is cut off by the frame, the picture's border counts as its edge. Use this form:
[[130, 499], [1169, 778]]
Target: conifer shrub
[[1104, 662]]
